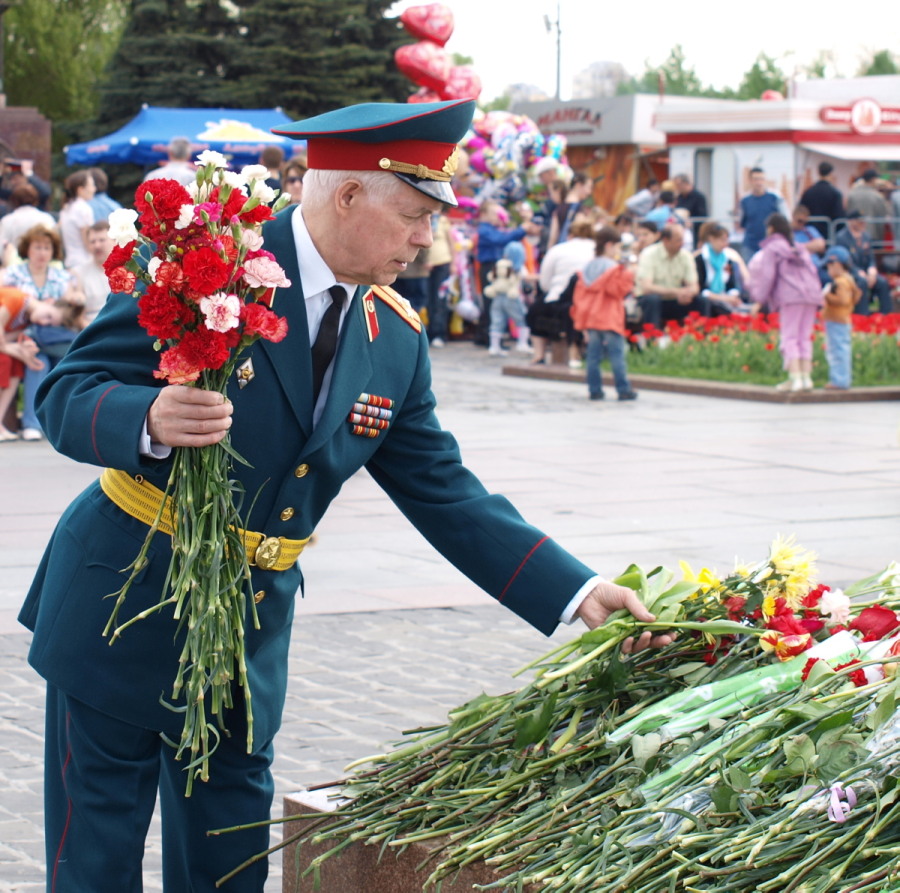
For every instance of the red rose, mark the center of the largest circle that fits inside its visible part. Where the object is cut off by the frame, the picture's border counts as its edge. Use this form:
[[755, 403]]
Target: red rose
[[119, 256], [205, 271], [163, 314], [260, 321], [121, 280], [875, 623], [734, 604]]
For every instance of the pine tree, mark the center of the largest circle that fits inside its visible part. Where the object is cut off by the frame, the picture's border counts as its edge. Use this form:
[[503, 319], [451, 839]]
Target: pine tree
[[310, 56], [173, 53]]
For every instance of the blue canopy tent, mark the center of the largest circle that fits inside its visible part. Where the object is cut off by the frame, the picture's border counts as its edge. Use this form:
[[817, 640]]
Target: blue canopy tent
[[239, 134]]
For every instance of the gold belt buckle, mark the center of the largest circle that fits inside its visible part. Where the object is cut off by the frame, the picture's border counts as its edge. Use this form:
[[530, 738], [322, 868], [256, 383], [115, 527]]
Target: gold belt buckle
[[268, 552]]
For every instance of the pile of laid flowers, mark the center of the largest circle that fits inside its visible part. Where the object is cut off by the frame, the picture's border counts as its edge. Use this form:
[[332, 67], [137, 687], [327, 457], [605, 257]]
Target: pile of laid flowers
[[759, 751], [744, 348]]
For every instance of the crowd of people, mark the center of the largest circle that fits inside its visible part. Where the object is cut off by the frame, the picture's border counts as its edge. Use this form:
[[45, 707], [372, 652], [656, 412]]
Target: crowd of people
[[670, 260], [544, 271]]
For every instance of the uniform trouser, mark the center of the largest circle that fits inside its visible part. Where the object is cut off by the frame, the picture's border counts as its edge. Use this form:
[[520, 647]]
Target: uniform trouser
[[101, 778]]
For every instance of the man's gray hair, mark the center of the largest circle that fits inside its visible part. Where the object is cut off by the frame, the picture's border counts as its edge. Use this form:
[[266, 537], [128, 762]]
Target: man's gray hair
[[179, 148], [319, 185]]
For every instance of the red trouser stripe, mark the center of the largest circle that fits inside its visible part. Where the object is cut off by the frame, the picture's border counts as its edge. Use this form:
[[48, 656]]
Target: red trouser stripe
[[62, 839]]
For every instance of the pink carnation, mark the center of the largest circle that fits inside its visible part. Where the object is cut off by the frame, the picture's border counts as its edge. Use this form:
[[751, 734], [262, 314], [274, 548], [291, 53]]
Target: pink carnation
[[221, 311], [263, 272]]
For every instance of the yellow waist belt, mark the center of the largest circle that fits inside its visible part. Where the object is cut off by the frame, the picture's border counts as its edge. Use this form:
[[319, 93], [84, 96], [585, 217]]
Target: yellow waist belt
[[141, 499]]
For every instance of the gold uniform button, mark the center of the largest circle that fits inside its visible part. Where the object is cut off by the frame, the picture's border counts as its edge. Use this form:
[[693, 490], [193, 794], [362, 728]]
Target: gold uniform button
[[287, 514], [259, 596], [301, 471]]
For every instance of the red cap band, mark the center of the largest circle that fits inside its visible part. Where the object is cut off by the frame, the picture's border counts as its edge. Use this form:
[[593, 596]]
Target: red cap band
[[347, 155]]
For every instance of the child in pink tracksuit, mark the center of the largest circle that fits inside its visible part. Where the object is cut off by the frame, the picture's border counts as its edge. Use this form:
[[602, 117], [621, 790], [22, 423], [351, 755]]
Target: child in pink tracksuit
[[783, 278]]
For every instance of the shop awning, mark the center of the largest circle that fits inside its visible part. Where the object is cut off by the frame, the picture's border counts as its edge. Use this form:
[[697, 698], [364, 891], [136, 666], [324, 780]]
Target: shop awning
[[856, 151]]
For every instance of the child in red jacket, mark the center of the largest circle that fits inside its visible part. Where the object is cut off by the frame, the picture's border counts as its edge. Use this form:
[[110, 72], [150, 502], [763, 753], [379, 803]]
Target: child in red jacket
[[599, 310]]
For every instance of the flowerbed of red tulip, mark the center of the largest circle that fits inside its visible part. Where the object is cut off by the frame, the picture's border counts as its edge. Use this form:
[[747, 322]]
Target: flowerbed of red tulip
[[745, 349]]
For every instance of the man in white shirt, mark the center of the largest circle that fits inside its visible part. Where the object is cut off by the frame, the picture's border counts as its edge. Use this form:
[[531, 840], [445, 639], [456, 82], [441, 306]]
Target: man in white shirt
[[90, 276]]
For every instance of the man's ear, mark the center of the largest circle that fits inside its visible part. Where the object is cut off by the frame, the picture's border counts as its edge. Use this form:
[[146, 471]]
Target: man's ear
[[348, 195]]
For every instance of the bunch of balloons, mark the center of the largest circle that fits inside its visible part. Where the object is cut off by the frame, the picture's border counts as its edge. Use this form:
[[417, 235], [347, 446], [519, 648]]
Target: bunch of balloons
[[427, 63], [505, 150]]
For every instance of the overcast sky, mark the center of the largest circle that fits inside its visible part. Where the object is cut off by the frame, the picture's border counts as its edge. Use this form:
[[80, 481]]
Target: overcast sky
[[509, 42]]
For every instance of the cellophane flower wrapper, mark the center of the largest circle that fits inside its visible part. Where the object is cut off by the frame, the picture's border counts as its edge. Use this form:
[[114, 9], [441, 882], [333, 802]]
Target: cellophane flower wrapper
[[193, 258]]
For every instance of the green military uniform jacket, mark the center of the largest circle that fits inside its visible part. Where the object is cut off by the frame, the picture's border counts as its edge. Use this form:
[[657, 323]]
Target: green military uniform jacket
[[93, 406]]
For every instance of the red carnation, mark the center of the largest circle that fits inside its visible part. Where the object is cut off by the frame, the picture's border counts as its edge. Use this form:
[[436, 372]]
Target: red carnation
[[734, 604], [807, 668], [875, 623], [857, 677], [121, 280], [176, 367], [119, 256], [164, 202], [259, 320], [163, 314], [232, 207], [259, 214], [170, 275], [205, 349], [814, 596], [205, 271], [786, 624]]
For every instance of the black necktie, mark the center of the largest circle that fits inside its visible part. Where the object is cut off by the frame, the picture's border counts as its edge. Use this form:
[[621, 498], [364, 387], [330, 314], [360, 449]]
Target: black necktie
[[326, 339]]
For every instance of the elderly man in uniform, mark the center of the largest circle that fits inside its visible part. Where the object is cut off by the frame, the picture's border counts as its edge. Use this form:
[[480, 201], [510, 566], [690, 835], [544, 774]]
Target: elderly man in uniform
[[377, 174]]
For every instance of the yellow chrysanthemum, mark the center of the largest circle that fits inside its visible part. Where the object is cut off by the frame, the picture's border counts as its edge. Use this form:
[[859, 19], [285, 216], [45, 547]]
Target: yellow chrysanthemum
[[768, 605], [705, 577], [787, 558]]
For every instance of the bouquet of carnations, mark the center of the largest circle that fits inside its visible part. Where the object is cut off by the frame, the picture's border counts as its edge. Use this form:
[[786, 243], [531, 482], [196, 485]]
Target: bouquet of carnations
[[204, 286], [759, 751]]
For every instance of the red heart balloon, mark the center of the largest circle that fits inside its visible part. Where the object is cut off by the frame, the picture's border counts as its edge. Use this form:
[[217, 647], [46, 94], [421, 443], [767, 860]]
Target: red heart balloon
[[423, 94], [433, 22], [424, 63], [463, 83]]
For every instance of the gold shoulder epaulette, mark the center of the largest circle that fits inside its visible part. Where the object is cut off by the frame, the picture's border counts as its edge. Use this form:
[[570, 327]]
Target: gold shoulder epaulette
[[399, 305]]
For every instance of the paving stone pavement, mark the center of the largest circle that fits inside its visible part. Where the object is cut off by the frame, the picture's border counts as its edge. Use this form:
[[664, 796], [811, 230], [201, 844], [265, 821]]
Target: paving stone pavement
[[669, 476]]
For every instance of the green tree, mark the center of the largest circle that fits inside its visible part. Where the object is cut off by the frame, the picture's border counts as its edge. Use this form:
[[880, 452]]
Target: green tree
[[764, 74], [172, 52], [55, 50], [310, 56], [674, 77], [882, 62]]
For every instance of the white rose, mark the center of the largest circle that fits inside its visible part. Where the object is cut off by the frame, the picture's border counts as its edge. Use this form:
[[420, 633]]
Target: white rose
[[121, 226]]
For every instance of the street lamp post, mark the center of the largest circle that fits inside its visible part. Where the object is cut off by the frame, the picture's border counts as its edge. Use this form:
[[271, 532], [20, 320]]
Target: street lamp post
[[550, 26]]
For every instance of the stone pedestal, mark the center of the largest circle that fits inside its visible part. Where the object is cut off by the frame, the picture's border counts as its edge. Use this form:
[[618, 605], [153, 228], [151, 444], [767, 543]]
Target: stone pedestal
[[358, 869]]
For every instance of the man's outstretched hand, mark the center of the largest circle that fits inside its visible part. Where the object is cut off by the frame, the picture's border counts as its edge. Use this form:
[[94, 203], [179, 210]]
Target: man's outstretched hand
[[606, 598]]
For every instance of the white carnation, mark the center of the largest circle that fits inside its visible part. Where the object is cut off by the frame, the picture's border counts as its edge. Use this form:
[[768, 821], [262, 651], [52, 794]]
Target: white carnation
[[121, 226], [255, 172], [216, 159]]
